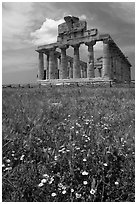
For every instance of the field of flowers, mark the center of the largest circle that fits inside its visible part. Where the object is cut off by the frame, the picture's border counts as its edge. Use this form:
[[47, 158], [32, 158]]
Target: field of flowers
[[68, 144]]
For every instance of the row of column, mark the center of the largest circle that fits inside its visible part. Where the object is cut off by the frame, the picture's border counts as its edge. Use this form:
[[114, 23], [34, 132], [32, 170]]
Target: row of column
[[113, 66], [116, 66]]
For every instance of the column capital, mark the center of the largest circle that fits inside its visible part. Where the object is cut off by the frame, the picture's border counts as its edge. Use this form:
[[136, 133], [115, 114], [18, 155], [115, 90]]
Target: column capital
[[107, 41], [63, 47], [77, 45], [91, 43]]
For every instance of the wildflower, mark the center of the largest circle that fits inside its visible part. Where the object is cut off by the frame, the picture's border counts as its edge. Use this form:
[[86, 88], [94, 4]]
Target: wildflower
[[105, 164], [72, 127], [3, 165], [85, 182], [56, 157], [40, 184], [84, 159], [8, 168], [43, 180], [77, 132], [60, 185], [116, 183], [64, 192], [72, 190], [53, 194], [84, 173], [22, 157], [8, 160], [77, 148], [77, 124], [46, 175], [78, 195], [51, 180], [12, 155], [92, 191]]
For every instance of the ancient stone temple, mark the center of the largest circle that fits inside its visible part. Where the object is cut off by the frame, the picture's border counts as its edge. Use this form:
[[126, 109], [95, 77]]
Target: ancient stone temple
[[112, 65]]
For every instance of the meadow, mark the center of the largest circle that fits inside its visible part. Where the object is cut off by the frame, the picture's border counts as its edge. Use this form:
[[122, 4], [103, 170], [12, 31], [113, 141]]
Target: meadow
[[68, 144]]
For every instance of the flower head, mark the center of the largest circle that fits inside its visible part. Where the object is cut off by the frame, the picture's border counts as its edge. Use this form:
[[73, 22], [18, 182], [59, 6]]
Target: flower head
[[105, 164], [85, 182], [40, 184], [45, 175], [78, 195], [84, 173], [53, 194], [92, 191], [116, 183], [43, 180], [64, 192]]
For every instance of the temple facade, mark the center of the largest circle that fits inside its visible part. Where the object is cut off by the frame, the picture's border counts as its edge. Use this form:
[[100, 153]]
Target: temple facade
[[113, 65]]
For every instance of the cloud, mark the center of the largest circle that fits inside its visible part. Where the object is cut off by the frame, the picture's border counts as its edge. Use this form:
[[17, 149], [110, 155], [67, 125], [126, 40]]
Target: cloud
[[47, 32]]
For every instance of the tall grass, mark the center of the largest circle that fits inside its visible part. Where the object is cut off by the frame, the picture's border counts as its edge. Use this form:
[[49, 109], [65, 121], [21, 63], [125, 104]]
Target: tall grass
[[68, 144]]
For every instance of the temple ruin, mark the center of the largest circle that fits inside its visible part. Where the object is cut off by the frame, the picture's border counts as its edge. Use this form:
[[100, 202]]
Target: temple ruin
[[113, 65]]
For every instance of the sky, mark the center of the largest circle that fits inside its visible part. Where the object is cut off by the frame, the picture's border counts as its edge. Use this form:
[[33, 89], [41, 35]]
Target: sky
[[25, 25]]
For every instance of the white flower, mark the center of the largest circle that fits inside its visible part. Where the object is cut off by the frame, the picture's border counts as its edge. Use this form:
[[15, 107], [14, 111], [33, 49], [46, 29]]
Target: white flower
[[60, 185], [92, 191], [12, 155], [46, 175], [3, 165], [51, 180], [105, 164], [22, 157], [53, 194], [56, 157], [8, 160], [78, 195], [85, 182], [8, 168], [116, 183], [72, 190], [64, 191], [77, 132], [40, 184], [84, 159], [43, 180], [84, 173]]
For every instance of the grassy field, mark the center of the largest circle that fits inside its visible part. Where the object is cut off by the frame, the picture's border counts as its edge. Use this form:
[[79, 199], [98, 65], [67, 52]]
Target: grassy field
[[68, 144]]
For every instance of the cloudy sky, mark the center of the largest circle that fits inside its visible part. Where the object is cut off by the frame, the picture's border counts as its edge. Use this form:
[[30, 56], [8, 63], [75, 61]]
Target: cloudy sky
[[26, 25]]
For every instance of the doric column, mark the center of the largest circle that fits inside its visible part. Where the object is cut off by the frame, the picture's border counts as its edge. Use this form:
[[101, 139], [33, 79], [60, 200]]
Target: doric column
[[71, 69], [64, 64], [85, 71], [52, 64], [90, 65], [47, 68], [41, 66], [76, 62], [106, 59], [82, 71], [56, 66]]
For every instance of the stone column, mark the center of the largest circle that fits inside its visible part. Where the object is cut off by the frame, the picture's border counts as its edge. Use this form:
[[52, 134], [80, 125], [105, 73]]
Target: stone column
[[47, 69], [76, 61], [56, 66], [41, 66], [60, 73], [85, 71], [64, 64], [52, 64], [82, 71], [71, 70], [90, 65], [106, 59]]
